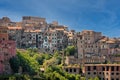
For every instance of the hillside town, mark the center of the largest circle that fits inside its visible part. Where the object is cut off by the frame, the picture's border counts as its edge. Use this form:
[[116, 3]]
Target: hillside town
[[95, 54]]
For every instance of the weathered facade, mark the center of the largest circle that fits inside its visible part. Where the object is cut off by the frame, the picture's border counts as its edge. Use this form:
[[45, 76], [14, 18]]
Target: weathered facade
[[7, 50], [103, 71]]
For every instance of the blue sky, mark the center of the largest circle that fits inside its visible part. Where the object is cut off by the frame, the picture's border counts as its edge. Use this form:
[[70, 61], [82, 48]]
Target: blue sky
[[98, 15]]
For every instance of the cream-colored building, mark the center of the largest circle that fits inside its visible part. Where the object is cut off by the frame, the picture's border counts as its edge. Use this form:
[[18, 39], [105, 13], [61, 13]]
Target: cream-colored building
[[91, 42], [30, 22], [71, 37], [55, 37], [103, 71], [71, 60], [87, 42]]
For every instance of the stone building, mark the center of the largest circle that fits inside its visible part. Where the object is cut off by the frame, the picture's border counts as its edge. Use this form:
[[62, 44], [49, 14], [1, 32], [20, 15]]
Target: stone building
[[29, 22], [76, 69], [87, 43], [7, 50], [71, 60], [55, 37], [91, 42], [4, 21], [103, 71], [71, 37], [15, 33], [3, 33], [29, 39], [93, 48]]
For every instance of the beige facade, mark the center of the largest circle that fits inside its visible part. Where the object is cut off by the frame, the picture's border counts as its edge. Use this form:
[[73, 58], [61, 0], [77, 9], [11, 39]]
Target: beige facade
[[55, 37], [7, 50], [94, 43], [71, 37], [103, 71], [86, 42], [73, 69], [4, 21], [29, 22], [87, 60]]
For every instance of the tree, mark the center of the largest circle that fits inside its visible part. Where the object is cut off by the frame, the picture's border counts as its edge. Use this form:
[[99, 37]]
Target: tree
[[12, 78], [70, 50], [26, 77], [96, 78], [14, 63], [39, 58], [28, 64], [82, 78], [90, 79]]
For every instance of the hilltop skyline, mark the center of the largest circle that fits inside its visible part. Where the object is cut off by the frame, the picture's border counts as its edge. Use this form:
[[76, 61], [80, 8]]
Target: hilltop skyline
[[99, 15]]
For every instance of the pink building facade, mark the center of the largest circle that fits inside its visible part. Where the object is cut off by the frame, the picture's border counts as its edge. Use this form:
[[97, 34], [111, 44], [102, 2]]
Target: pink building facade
[[7, 50]]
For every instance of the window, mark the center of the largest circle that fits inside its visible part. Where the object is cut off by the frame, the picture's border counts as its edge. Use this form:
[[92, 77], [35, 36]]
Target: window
[[117, 68], [3, 39], [88, 72], [88, 68], [112, 68], [103, 73], [106, 73], [103, 68], [1, 62], [112, 73], [66, 70], [112, 79], [117, 79], [107, 67], [94, 67], [74, 70], [117, 73], [94, 73], [70, 70]]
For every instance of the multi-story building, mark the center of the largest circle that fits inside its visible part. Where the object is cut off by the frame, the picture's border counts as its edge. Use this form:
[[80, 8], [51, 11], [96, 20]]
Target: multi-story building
[[7, 50], [15, 34], [87, 43], [55, 37], [93, 48], [71, 60], [76, 69], [4, 21], [29, 22], [33, 28], [30, 39], [91, 42], [103, 71], [71, 37], [3, 33]]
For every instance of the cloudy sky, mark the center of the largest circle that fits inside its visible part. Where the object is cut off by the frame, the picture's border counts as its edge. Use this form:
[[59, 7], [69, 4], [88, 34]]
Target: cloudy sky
[[98, 15]]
